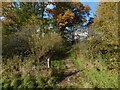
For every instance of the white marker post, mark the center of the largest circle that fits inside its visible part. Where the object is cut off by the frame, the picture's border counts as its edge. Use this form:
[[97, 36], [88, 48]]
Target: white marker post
[[48, 62]]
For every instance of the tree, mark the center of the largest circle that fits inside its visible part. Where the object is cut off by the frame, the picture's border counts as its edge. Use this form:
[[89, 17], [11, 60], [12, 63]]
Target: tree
[[16, 15], [106, 40], [18, 20], [67, 14], [106, 24]]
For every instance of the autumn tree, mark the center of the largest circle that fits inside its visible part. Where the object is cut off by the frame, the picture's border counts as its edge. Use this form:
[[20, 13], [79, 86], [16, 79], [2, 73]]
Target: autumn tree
[[17, 14], [106, 23], [65, 14], [68, 14], [104, 42]]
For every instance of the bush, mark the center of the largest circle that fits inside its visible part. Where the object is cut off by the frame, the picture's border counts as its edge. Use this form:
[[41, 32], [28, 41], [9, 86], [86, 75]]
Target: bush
[[34, 37], [16, 44], [46, 46]]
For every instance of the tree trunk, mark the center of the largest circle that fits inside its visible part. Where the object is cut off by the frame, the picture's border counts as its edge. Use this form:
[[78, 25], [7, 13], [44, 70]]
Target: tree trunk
[[43, 8]]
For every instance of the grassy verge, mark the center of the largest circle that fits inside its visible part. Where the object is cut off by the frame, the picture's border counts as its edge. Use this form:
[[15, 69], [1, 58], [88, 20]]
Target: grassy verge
[[95, 73]]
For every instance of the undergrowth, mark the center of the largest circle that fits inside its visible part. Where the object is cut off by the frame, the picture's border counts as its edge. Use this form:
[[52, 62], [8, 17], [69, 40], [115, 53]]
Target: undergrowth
[[94, 71]]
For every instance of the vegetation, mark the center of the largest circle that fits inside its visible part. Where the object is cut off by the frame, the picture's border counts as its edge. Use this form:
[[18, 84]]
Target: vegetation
[[96, 71], [29, 42]]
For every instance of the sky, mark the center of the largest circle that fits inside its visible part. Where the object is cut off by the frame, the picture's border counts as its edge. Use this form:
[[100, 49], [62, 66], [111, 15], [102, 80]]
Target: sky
[[93, 5]]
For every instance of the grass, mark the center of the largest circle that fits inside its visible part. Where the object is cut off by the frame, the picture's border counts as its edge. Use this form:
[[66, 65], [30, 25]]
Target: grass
[[30, 75], [58, 64], [95, 73]]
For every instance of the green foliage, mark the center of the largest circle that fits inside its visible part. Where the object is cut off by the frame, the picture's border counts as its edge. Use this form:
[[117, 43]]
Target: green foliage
[[94, 70], [104, 41], [20, 51], [58, 64], [28, 82], [102, 79], [18, 74], [40, 82], [58, 69], [29, 41], [42, 45], [16, 17], [33, 42], [16, 44], [6, 83], [16, 81], [106, 24]]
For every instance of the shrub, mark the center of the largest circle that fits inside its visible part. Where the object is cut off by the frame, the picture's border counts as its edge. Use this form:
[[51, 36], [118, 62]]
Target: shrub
[[16, 44], [44, 47]]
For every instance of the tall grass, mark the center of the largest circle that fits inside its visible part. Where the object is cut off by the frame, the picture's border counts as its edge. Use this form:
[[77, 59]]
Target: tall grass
[[95, 71]]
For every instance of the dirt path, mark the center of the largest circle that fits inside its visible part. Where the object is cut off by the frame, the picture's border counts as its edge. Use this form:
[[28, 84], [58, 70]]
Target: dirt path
[[70, 76]]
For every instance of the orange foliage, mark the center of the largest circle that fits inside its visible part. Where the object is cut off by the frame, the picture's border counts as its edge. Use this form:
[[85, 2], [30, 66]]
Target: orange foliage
[[84, 20], [66, 18], [63, 12], [86, 8]]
